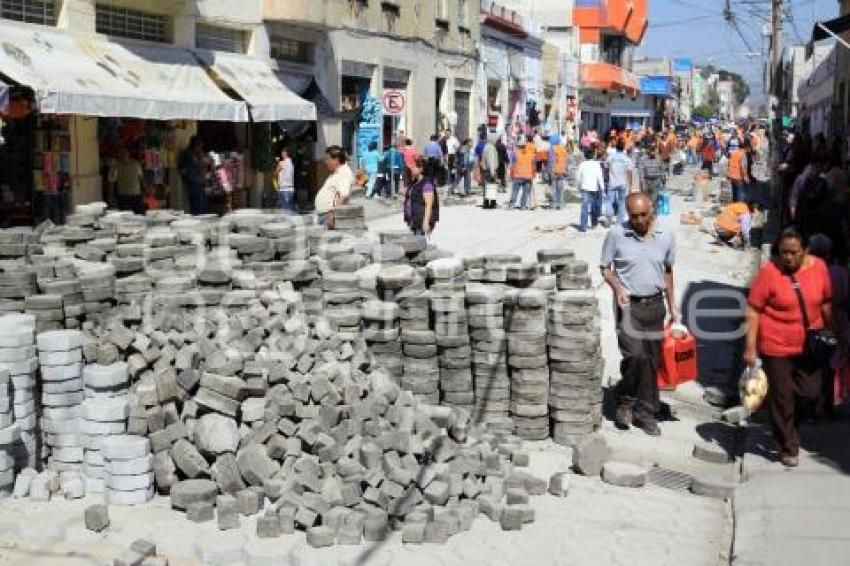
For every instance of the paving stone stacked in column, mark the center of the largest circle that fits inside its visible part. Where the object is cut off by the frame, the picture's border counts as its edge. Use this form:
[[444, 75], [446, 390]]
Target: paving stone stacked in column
[[496, 267], [555, 260], [9, 434], [381, 331], [421, 368], [573, 275], [576, 364], [350, 218], [448, 307], [60, 354], [129, 470], [18, 357], [48, 311], [97, 283], [489, 356], [16, 283], [341, 286], [59, 282], [526, 325], [104, 415]]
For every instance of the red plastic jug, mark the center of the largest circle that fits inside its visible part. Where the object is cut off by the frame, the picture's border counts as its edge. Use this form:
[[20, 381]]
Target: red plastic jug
[[678, 362]]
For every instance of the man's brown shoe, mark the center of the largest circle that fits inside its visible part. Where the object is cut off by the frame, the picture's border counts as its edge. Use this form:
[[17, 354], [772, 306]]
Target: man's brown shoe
[[623, 417]]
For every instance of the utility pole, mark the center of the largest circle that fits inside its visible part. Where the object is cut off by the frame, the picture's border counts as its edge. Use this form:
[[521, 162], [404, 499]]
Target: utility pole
[[775, 108]]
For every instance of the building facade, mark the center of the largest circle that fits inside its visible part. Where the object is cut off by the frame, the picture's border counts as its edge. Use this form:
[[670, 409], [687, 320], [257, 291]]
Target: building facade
[[816, 91], [166, 69], [608, 32], [511, 76], [357, 51]]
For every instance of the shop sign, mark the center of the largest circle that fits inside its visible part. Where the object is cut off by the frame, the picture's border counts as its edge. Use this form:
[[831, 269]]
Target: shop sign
[[394, 102]]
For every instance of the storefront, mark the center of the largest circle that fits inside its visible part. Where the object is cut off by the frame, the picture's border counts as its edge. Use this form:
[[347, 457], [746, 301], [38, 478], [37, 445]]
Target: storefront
[[96, 98], [362, 117]]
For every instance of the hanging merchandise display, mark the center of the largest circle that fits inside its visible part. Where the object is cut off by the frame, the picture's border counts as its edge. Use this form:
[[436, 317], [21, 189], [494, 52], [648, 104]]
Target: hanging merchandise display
[[152, 143], [35, 162]]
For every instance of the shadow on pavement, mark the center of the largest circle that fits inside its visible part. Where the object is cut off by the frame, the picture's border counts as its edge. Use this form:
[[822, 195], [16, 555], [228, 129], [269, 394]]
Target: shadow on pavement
[[714, 313]]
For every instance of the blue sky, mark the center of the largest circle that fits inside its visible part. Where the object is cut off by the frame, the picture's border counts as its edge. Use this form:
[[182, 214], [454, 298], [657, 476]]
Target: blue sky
[[696, 29]]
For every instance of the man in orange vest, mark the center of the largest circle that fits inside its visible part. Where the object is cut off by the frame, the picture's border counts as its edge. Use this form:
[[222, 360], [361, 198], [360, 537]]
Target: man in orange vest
[[734, 222], [737, 171], [522, 173], [559, 173]]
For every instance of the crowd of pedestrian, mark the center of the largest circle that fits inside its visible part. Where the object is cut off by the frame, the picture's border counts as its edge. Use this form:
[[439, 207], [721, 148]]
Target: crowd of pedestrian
[[798, 323]]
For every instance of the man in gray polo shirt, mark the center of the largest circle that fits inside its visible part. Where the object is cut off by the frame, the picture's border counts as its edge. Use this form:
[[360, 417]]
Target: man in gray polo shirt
[[637, 263]]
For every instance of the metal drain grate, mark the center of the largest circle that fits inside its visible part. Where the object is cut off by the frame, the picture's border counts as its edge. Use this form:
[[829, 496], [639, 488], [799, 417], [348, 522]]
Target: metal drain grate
[[670, 479]]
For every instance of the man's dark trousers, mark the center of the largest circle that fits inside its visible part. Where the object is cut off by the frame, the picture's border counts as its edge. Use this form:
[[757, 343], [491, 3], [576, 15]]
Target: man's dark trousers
[[640, 330]]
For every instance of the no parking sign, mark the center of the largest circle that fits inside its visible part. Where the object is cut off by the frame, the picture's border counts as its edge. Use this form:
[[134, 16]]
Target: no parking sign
[[394, 102]]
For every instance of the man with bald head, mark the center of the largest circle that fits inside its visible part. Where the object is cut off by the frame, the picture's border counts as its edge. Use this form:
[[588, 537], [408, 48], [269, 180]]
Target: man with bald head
[[637, 263]]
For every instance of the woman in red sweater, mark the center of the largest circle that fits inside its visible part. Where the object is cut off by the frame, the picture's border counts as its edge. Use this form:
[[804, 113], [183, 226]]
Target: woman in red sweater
[[775, 331]]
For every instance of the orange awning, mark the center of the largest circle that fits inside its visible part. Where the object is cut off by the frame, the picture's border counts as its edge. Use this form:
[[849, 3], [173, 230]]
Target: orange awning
[[604, 76]]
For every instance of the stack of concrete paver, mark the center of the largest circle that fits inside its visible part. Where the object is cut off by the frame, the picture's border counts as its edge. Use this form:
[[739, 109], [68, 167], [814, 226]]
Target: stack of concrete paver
[[381, 331], [451, 326], [18, 357], [15, 285], [492, 384], [528, 363], [129, 469], [576, 364], [350, 218], [104, 415], [249, 350], [60, 355], [9, 434]]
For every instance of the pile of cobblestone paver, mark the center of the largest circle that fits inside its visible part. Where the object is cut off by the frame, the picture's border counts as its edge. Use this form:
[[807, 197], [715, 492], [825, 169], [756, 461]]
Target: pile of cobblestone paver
[[232, 361]]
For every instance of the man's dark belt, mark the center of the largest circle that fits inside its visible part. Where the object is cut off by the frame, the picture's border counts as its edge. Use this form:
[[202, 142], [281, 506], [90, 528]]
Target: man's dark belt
[[646, 299]]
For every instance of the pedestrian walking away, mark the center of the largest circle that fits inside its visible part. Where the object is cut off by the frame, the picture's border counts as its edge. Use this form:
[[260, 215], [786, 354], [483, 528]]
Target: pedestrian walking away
[[591, 185], [465, 165], [620, 172], [337, 188], [737, 172], [560, 157], [522, 174], [637, 264], [790, 296], [652, 176], [286, 182], [421, 203]]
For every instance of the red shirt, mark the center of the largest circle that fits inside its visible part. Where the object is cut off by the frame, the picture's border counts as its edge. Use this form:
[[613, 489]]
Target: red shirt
[[781, 331]]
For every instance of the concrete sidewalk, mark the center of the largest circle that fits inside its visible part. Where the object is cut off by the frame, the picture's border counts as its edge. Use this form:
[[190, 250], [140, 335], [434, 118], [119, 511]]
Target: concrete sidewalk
[[795, 516]]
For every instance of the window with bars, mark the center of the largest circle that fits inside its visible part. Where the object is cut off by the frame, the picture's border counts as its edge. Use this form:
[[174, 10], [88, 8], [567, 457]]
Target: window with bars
[[219, 38], [128, 23], [294, 51], [31, 11]]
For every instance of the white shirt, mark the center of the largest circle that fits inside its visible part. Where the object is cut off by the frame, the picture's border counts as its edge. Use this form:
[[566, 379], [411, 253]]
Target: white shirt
[[336, 186], [452, 145], [589, 176], [286, 175]]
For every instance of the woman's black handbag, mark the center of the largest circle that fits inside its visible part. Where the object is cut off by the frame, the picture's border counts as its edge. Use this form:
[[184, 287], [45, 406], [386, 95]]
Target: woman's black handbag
[[820, 344]]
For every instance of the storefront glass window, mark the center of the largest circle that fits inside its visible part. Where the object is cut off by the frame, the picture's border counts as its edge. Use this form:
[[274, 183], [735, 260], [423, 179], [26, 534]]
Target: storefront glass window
[[31, 11]]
